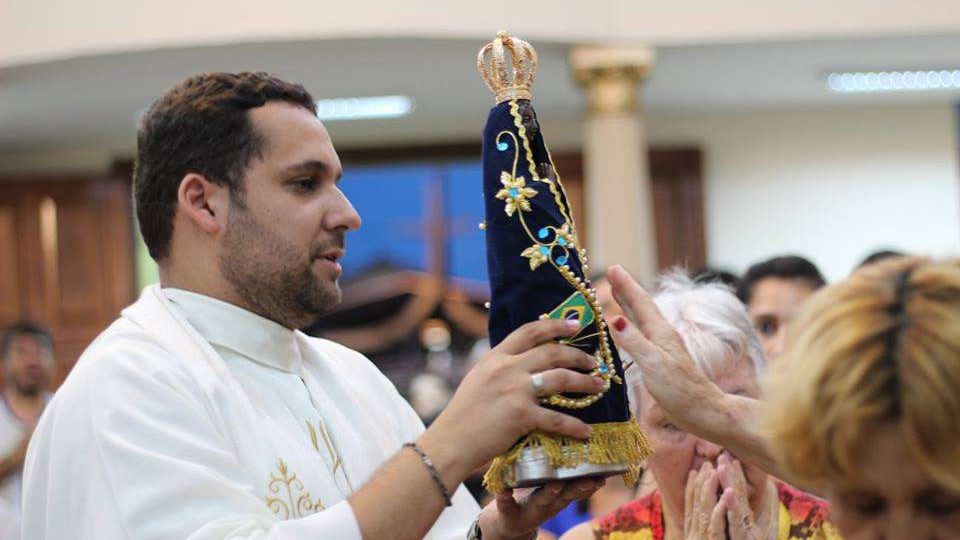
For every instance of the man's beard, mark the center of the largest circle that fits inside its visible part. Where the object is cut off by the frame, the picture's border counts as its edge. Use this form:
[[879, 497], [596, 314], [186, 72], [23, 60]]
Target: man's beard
[[273, 277], [28, 389]]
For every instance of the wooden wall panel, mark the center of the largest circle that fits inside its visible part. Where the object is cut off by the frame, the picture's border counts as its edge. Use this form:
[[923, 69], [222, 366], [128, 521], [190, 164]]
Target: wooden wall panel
[[10, 300], [77, 263], [677, 180], [73, 260]]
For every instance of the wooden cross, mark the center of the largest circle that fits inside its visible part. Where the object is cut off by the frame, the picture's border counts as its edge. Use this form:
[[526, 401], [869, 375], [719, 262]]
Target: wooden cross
[[437, 227]]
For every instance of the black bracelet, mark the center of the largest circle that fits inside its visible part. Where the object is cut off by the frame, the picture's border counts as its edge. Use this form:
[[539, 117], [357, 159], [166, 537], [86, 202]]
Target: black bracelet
[[428, 463]]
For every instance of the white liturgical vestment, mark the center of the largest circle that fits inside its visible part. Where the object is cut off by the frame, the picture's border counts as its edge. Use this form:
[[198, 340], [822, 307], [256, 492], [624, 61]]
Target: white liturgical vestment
[[193, 418]]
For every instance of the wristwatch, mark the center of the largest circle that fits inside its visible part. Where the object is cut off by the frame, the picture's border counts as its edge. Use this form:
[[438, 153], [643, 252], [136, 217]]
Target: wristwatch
[[476, 534]]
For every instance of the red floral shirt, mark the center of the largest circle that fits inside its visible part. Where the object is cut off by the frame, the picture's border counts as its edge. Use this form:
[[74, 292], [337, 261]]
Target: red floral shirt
[[801, 517]]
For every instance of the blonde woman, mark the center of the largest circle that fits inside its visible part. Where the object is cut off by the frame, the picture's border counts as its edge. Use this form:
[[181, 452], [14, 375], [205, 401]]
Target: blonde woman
[[866, 407]]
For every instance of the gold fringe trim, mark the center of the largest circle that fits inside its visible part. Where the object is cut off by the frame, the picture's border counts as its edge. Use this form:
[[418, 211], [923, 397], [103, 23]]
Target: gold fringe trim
[[614, 442]]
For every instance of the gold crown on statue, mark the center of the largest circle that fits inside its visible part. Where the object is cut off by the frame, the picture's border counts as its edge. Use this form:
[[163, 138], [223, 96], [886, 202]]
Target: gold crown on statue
[[492, 65]]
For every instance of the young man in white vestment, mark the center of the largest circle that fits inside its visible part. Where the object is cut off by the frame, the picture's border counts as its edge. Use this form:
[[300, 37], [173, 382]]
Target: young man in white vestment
[[203, 413]]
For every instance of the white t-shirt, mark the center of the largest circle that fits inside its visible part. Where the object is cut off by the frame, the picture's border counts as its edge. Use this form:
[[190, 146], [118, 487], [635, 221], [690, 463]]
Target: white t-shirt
[[12, 431]]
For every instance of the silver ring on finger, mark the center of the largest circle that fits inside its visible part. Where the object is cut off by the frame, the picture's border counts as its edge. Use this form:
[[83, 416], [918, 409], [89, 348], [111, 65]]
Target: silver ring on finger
[[537, 380]]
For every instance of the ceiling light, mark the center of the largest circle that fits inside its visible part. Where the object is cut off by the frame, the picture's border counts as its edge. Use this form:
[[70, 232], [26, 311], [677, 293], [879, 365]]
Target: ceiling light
[[893, 81], [362, 108]]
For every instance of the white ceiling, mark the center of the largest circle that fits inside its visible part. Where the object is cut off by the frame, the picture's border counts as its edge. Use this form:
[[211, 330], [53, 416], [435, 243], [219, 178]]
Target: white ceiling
[[80, 101]]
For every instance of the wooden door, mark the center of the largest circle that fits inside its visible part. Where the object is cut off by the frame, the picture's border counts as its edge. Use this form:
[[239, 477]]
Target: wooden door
[[676, 176], [66, 257]]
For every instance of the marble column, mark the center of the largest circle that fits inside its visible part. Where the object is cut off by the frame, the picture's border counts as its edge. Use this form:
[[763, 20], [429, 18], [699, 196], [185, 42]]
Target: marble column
[[619, 197]]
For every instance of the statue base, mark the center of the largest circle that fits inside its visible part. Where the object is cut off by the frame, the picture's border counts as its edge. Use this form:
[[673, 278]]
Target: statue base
[[612, 448], [533, 468]]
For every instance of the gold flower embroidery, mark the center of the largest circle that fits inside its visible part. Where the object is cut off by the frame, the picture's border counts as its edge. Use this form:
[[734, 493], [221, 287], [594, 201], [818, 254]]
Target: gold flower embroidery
[[292, 500], [537, 254], [515, 192]]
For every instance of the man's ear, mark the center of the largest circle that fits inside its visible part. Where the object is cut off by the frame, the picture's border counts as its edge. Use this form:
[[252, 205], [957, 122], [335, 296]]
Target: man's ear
[[203, 202]]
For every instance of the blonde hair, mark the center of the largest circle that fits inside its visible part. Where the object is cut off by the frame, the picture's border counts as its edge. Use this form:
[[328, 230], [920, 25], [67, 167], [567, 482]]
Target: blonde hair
[[880, 347]]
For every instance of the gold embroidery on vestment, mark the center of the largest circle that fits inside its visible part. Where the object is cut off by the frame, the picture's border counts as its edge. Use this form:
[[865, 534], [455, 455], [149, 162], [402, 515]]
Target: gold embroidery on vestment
[[291, 500], [324, 435], [313, 437]]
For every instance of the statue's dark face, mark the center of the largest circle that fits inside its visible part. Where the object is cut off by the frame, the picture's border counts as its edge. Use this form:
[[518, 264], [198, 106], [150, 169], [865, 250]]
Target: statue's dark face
[[528, 117]]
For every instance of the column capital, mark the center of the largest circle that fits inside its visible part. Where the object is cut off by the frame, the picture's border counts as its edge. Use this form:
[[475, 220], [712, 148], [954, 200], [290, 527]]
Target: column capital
[[610, 76]]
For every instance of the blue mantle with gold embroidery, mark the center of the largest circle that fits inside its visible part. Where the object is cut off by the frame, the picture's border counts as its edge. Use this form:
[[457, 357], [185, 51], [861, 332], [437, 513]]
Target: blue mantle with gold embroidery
[[538, 268], [535, 261]]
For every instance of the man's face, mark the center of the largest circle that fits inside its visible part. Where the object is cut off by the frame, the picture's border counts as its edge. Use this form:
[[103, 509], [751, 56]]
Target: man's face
[[528, 117], [773, 304], [285, 236], [28, 365]]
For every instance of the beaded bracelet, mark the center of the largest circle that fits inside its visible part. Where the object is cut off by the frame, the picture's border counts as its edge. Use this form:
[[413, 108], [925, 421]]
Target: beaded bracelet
[[428, 463]]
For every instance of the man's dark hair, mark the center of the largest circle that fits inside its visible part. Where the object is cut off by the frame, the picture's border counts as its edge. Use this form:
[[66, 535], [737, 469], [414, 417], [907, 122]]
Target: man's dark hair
[[880, 255], [24, 328], [715, 275], [784, 267], [200, 126]]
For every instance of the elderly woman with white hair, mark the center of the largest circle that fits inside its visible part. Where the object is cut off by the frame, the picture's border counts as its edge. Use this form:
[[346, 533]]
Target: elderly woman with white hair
[[704, 492]]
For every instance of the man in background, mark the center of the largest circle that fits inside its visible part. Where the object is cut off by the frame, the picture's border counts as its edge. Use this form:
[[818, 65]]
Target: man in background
[[26, 354], [879, 255], [773, 291]]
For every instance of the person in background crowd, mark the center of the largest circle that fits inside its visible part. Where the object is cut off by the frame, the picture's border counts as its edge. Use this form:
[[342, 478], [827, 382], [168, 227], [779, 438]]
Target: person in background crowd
[[879, 255], [26, 353], [773, 291], [429, 394], [703, 490], [713, 275]]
